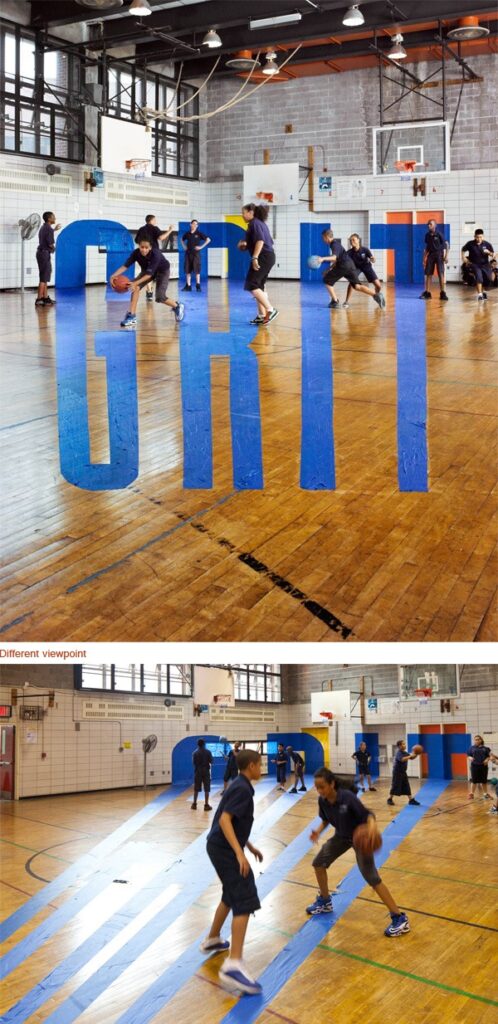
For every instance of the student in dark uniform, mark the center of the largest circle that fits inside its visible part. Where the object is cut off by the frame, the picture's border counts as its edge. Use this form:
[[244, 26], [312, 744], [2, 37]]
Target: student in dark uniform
[[298, 763], [46, 246], [259, 243], [435, 258], [192, 242], [362, 758], [151, 233], [226, 844], [202, 760], [153, 267], [231, 770], [400, 785], [363, 260], [343, 266], [477, 253], [479, 756], [343, 810], [281, 762]]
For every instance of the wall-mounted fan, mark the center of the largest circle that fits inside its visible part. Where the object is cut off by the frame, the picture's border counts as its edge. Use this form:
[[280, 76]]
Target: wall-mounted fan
[[28, 227], [148, 745]]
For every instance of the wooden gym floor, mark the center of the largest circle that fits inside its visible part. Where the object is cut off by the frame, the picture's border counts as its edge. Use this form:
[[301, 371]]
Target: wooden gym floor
[[156, 561], [442, 874]]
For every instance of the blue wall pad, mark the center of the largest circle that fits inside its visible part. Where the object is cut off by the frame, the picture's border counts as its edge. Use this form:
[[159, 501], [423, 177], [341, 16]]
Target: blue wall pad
[[197, 346], [314, 930], [87, 864], [412, 390], [70, 268], [119, 350], [182, 771], [312, 748], [372, 741], [312, 244], [317, 433], [407, 240], [184, 873], [223, 235]]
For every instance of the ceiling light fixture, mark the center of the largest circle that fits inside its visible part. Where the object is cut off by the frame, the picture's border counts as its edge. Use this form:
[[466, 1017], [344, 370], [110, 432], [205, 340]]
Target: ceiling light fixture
[[353, 17], [397, 51], [140, 8], [270, 68], [243, 61], [282, 19], [468, 28], [211, 39]]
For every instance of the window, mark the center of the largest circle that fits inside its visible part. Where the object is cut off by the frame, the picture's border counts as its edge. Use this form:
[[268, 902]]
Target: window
[[42, 113], [260, 683], [170, 680]]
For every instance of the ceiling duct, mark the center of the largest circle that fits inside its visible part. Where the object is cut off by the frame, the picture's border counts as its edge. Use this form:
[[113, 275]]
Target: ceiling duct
[[243, 61]]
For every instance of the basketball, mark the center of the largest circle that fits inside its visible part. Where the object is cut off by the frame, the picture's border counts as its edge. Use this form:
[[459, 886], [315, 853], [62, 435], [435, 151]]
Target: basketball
[[417, 749], [365, 841], [314, 262], [121, 283]]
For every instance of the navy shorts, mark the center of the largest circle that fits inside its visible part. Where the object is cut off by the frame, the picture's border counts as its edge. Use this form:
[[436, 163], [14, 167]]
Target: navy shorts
[[44, 265], [335, 847], [258, 278], [369, 272], [192, 263], [435, 260], [345, 269], [202, 780], [239, 893], [484, 274], [281, 776], [479, 772]]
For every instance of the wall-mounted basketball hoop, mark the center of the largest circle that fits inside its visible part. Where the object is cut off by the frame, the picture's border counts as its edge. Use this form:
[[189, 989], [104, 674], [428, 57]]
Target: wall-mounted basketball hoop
[[137, 168], [424, 695]]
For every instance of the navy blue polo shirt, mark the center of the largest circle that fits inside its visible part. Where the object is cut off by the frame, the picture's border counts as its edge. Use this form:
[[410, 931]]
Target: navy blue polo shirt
[[149, 233], [478, 754], [337, 249], [434, 242], [345, 814], [193, 238], [476, 254], [238, 801], [297, 759], [362, 758], [46, 238], [258, 231], [202, 758], [361, 257], [400, 767], [152, 264]]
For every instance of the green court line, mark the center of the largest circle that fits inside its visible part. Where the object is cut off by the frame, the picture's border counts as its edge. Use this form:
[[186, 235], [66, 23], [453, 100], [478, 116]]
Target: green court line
[[444, 878], [39, 853]]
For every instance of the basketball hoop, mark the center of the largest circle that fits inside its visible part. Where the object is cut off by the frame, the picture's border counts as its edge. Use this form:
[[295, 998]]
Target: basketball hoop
[[423, 695], [328, 715], [137, 168], [406, 168]]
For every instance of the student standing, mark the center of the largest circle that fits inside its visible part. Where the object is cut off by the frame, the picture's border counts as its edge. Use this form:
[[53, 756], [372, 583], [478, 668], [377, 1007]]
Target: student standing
[[231, 770], [477, 253], [341, 265], [153, 267], [46, 246], [193, 242], [435, 258], [202, 760], [150, 232], [259, 243], [340, 808], [400, 785], [362, 758], [479, 755], [298, 763], [363, 260], [281, 762], [226, 844]]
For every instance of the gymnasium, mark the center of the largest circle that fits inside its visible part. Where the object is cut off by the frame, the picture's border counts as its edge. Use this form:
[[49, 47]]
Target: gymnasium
[[325, 476], [107, 889]]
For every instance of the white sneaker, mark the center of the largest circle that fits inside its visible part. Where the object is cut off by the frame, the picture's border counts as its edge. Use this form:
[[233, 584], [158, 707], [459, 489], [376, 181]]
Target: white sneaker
[[236, 978], [215, 945]]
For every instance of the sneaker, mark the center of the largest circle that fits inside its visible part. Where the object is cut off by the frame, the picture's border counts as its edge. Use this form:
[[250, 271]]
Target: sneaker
[[179, 312], [282, 788], [362, 789], [425, 295], [193, 807], [334, 305], [486, 796], [198, 288], [257, 319], [129, 321], [494, 810], [345, 305], [150, 296], [443, 296], [302, 789], [39, 302], [217, 945], [480, 298], [272, 315], [484, 295], [414, 803], [391, 801], [187, 288], [235, 978], [292, 790], [470, 796], [373, 789], [207, 807], [399, 925], [322, 905], [379, 299], [51, 302]]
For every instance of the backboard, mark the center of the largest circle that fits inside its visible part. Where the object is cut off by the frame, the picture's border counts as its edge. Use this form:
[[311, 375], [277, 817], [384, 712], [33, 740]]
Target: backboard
[[426, 145], [443, 680], [213, 686], [336, 702], [271, 184], [122, 141]]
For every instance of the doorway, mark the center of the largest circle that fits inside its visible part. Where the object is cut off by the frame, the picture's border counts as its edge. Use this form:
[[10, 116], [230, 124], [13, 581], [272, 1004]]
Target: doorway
[[7, 761]]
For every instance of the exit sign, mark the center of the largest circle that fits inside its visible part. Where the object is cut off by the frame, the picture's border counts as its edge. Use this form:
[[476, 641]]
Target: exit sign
[[5, 710]]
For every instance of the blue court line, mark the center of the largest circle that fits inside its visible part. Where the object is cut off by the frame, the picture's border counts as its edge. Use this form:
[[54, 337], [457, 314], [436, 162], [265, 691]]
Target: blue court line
[[193, 883], [88, 862], [317, 434], [312, 933], [412, 390], [148, 544], [44, 931]]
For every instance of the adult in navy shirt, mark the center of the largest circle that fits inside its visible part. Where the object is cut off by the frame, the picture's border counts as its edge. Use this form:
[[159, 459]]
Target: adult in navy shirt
[[479, 756], [259, 244], [231, 770], [202, 760], [363, 260], [477, 253], [227, 842], [435, 257], [362, 758], [342, 266], [150, 232], [400, 785], [282, 763], [46, 246], [193, 242], [341, 809], [298, 763], [153, 267]]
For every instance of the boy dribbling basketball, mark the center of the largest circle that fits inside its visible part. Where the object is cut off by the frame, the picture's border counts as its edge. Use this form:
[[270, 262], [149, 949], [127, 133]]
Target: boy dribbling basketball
[[153, 267], [343, 266]]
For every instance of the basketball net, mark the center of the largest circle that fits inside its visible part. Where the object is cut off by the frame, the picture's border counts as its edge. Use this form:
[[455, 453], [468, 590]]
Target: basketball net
[[328, 716], [423, 695], [137, 168]]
